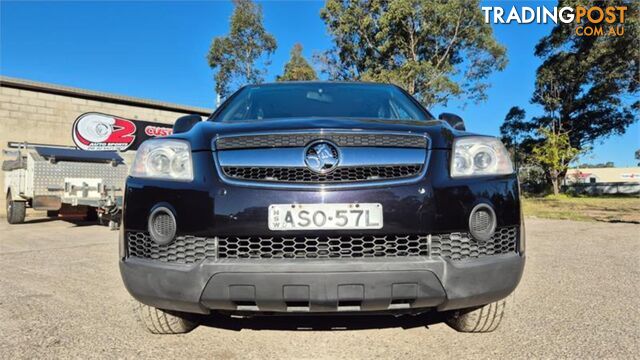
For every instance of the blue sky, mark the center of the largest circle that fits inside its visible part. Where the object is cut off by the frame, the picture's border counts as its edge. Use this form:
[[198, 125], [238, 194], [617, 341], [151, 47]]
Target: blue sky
[[157, 50]]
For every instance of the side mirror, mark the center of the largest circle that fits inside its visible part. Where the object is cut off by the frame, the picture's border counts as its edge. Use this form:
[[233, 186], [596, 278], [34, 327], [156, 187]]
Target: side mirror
[[185, 123], [454, 120]]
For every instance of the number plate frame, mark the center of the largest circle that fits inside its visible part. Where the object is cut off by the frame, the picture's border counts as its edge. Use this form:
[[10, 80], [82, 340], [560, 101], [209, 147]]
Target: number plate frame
[[358, 216]]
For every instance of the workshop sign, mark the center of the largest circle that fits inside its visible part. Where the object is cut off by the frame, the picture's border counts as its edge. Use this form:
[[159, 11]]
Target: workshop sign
[[101, 132]]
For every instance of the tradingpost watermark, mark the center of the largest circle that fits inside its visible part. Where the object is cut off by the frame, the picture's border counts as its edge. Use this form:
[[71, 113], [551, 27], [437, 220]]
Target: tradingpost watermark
[[590, 21]]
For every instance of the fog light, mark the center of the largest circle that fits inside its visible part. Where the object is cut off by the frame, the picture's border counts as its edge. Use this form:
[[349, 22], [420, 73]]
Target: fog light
[[482, 222], [162, 225]]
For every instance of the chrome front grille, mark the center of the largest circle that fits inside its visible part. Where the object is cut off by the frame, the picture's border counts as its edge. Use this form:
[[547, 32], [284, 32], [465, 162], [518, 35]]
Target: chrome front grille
[[302, 139], [451, 246], [304, 175], [296, 159]]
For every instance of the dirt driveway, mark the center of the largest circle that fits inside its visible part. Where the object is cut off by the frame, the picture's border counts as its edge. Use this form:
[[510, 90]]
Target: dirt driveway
[[61, 296]]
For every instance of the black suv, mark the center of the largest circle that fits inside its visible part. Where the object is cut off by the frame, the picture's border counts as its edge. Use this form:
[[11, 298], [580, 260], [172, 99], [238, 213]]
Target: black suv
[[317, 198]]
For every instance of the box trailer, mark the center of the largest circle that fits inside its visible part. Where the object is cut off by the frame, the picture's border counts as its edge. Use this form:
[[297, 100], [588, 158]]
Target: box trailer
[[63, 179]]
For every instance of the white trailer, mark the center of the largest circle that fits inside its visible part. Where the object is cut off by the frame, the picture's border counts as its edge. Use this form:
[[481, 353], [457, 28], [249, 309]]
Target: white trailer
[[55, 178]]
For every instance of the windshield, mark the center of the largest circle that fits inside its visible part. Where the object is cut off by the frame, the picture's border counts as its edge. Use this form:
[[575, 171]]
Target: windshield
[[334, 100]]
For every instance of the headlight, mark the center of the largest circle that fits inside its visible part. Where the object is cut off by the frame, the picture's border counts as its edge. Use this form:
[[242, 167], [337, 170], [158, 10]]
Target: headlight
[[479, 156], [163, 159]]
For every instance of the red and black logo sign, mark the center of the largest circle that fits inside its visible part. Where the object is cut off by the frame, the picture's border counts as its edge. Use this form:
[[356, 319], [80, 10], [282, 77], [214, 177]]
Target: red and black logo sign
[[100, 132]]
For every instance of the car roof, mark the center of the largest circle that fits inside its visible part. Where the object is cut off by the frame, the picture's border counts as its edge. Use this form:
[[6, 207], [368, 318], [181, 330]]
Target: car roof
[[320, 82]]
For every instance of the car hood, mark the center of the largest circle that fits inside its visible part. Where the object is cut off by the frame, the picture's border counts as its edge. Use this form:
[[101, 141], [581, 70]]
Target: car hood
[[200, 136]]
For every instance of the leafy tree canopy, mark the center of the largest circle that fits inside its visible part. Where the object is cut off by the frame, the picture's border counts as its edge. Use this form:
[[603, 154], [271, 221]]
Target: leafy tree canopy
[[608, 164], [514, 132], [587, 85], [297, 69], [554, 154], [515, 126], [235, 56], [435, 49]]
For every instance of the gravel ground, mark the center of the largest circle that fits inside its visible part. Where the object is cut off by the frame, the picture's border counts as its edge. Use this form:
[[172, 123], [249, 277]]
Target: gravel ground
[[61, 296]]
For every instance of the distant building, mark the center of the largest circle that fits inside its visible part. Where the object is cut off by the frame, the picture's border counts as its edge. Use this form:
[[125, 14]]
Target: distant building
[[615, 180], [44, 113], [603, 175]]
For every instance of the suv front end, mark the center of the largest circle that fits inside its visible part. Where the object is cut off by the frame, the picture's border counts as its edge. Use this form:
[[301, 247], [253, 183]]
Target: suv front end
[[321, 215]]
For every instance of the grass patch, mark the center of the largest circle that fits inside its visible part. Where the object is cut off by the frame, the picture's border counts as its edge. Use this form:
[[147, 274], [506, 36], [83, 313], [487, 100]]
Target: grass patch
[[582, 208]]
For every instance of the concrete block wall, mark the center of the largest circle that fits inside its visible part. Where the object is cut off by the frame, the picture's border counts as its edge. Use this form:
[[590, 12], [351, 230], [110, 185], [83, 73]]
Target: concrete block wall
[[39, 117]]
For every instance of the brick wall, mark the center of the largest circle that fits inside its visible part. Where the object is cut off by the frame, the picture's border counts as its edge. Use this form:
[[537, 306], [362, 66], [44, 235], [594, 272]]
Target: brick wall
[[39, 117]]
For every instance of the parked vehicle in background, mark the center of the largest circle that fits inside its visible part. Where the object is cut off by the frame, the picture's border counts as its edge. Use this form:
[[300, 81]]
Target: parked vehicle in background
[[87, 179], [63, 179], [320, 198]]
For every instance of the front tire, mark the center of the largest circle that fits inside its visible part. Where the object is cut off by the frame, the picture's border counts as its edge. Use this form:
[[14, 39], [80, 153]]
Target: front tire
[[16, 210], [158, 321], [478, 320]]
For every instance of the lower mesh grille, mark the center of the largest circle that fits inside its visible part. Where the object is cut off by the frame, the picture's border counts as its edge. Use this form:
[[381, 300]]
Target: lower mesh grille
[[183, 250], [304, 175], [323, 247], [190, 249], [458, 246]]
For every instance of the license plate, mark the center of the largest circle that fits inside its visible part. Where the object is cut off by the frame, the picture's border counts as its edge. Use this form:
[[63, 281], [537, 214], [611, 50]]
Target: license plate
[[325, 216]]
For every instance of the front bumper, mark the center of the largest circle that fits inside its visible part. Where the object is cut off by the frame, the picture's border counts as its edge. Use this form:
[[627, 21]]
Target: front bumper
[[322, 285], [209, 208]]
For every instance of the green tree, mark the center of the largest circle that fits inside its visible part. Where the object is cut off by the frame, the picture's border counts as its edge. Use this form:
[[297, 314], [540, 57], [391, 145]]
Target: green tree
[[638, 156], [297, 69], [608, 164], [513, 134], [434, 49], [235, 56], [588, 85], [515, 128], [554, 153]]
